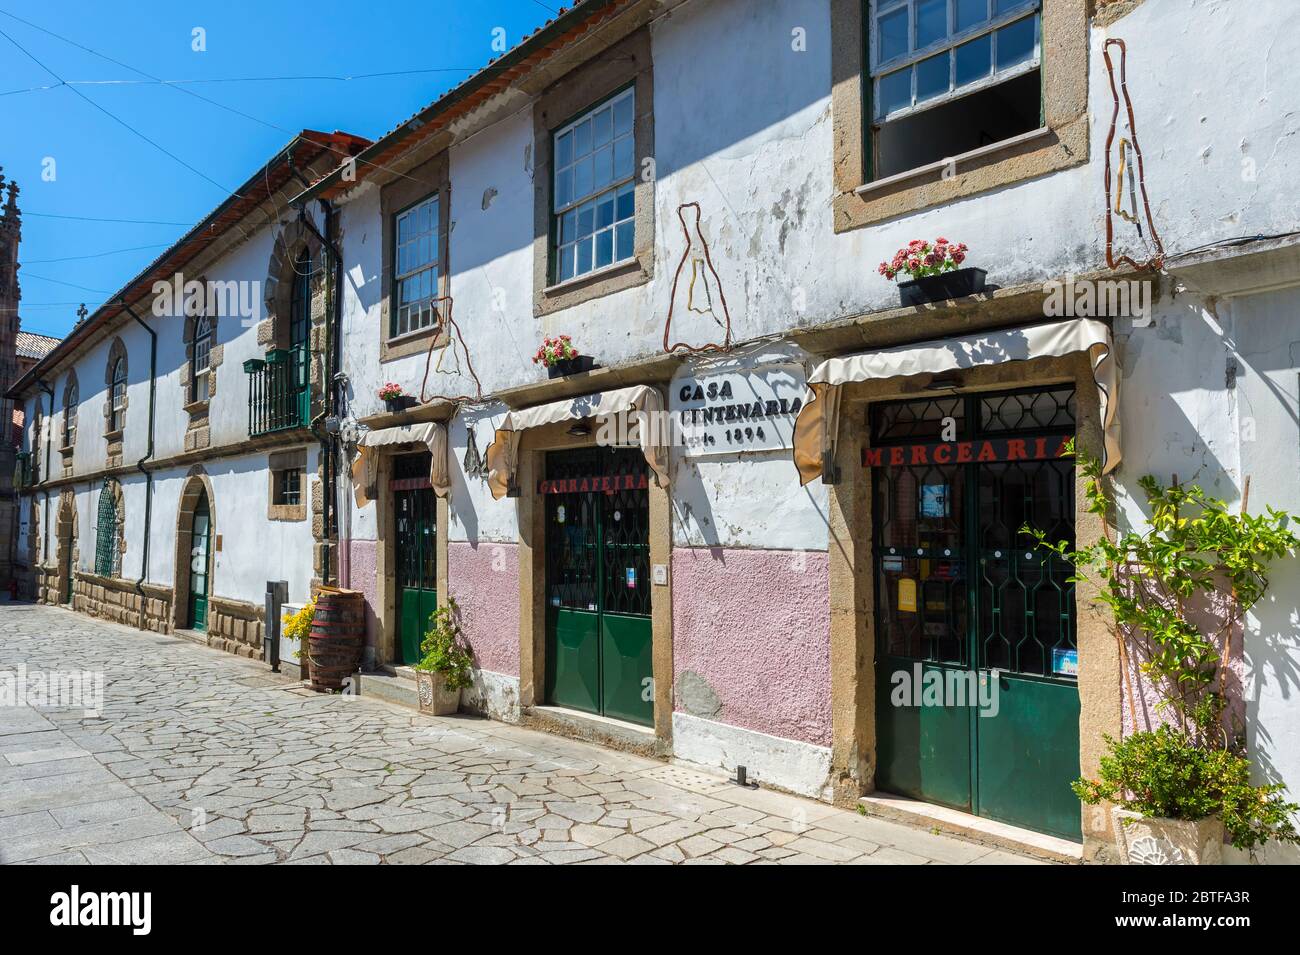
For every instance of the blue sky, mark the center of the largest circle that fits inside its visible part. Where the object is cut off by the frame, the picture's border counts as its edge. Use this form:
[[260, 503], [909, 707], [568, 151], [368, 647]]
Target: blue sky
[[103, 170]]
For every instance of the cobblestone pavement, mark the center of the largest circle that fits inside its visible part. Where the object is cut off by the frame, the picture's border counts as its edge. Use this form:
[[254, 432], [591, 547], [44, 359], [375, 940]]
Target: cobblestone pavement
[[201, 757]]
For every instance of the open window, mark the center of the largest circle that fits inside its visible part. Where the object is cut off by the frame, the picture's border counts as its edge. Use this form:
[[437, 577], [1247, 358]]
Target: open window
[[948, 77]]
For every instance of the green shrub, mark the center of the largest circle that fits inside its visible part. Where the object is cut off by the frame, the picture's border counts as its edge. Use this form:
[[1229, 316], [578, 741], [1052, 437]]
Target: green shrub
[[444, 652], [1168, 774]]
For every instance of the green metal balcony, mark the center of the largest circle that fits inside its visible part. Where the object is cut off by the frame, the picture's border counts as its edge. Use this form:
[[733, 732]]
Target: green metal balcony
[[26, 470], [278, 396]]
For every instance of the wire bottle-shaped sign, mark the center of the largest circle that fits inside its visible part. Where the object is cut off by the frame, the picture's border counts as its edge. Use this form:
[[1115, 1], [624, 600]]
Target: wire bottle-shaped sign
[[1131, 236], [698, 318]]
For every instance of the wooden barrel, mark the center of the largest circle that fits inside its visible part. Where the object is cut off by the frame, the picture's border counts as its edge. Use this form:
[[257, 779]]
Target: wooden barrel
[[338, 634]]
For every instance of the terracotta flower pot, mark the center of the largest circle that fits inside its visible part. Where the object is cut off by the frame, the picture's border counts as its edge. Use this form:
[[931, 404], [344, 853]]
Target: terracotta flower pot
[[941, 288], [1149, 840], [436, 698]]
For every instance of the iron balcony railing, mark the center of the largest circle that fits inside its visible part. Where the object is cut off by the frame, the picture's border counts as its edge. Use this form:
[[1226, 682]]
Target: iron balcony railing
[[277, 399]]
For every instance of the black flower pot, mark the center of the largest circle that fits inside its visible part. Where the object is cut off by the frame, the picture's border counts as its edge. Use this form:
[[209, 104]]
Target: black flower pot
[[400, 403], [941, 288], [570, 366]]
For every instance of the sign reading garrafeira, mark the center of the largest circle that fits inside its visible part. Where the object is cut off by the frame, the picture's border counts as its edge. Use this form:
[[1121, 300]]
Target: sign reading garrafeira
[[732, 411]]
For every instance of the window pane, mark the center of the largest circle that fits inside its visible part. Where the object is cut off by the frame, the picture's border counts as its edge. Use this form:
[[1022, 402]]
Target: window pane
[[568, 227], [604, 166], [625, 241], [974, 59], [566, 263], [582, 178], [602, 126], [971, 12], [586, 220], [892, 34], [1016, 42], [931, 22], [626, 199], [894, 92], [1002, 6], [623, 157], [932, 77], [604, 247], [623, 116], [564, 188], [605, 212], [582, 139], [564, 150], [584, 256]]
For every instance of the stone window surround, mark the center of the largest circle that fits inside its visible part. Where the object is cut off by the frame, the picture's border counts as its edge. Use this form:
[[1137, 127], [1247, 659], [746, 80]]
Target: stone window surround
[[197, 432], [113, 436], [66, 446], [277, 462], [628, 62], [429, 178], [1060, 144]]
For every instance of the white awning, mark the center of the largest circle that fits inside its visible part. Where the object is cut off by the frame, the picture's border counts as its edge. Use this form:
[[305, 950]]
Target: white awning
[[503, 453], [818, 421], [365, 469]]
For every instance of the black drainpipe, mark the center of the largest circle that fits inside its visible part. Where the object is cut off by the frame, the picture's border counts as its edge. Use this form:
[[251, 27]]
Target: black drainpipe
[[139, 465], [333, 316], [45, 511]]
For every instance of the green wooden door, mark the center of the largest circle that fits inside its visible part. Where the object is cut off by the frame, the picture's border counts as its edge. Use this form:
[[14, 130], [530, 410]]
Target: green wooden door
[[598, 630], [977, 698], [200, 539], [415, 507]]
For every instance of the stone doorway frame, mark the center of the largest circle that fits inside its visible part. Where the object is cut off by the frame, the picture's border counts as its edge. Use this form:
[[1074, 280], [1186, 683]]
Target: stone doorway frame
[[533, 445], [386, 553], [196, 482], [66, 549], [852, 594]]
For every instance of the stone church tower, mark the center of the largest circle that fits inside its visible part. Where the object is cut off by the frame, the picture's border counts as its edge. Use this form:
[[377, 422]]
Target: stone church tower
[[10, 233]]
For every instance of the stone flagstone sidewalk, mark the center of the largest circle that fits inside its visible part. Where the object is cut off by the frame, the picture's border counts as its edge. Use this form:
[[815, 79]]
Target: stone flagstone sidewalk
[[202, 757]]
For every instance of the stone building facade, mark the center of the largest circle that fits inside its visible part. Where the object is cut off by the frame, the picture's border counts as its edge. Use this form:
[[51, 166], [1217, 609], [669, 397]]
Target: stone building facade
[[698, 194]]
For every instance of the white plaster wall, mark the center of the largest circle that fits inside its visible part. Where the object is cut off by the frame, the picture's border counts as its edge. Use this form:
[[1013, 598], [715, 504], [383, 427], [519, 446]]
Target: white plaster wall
[[760, 165], [475, 515], [1267, 337]]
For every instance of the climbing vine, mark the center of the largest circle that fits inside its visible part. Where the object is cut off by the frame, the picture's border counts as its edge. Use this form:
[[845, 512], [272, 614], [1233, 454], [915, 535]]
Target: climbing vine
[[1195, 560]]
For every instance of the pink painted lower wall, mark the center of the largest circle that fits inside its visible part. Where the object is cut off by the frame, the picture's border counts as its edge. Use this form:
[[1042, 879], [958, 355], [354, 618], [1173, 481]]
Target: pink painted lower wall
[[359, 573], [484, 579], [751, 640]]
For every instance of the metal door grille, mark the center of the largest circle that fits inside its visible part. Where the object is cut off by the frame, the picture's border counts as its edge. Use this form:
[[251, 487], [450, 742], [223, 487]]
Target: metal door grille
[[955, 531], [597, 543], [106, 533]]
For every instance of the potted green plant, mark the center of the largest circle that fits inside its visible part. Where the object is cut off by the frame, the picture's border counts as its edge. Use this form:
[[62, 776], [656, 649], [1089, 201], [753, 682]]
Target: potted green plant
[[447, 664], [1177, 589], [935, 270], [559, 357]]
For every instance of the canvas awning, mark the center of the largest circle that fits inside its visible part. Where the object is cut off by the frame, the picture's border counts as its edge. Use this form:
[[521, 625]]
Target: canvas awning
[[365, 469], [818, 421], [645, 402]]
